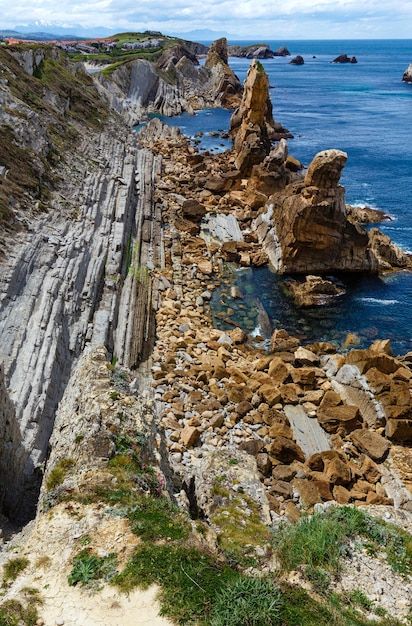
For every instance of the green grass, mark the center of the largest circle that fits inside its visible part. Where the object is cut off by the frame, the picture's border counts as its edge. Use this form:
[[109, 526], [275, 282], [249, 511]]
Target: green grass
[[157, 518], [319, 540], [248, 602], [57, 475], [189, 578]]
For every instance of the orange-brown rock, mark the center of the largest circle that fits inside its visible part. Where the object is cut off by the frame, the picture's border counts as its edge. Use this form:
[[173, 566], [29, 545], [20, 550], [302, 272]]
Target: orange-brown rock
[[252, 446], [341, 494], [369, 469], [337, 471], [286, 450], [281, 341], [344, 417], [399, 429], [314, 291], [280, 430], [308, 492], [372, 444], [252, 122], [189, 436], [305, 228], [270, 394]]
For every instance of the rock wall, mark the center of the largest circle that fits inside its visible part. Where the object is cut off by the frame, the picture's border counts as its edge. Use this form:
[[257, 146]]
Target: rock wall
[[174, 86], [61, 288]]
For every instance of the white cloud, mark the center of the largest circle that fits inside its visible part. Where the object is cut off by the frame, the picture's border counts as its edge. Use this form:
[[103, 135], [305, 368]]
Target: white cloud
[[244, 18]]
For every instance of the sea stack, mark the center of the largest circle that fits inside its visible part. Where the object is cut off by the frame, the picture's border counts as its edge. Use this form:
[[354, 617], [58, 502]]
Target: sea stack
[[407, 76]]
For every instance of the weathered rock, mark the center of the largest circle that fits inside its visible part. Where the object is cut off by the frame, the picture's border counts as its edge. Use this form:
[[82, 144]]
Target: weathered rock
[[286, 450], [281, 341], [189, 436], [193, 210], [228, 86], [374, 445], [305, 227], [252, 122], [243, 473], [315, 291], [345, 417]]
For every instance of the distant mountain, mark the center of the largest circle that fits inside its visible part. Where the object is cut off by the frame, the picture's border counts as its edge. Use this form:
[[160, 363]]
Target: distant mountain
[[77, 30], [35, 36], [203, 34]]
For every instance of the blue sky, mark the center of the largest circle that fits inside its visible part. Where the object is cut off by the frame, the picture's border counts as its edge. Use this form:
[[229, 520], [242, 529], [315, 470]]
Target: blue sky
[[246, 19]]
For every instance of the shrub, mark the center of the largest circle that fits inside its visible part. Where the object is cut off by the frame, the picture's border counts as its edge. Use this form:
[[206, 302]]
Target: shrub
[[89, 568]]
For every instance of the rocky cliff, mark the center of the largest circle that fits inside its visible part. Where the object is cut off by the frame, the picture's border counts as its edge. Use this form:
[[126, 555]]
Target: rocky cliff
[[175, 84], [120, 400], [63, 277]]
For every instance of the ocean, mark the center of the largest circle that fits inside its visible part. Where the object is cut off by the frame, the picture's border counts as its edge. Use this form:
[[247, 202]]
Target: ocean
[[364, 109]]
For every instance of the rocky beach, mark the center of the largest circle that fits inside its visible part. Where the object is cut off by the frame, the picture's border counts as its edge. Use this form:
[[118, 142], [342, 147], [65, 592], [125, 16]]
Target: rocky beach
[[108, 348]]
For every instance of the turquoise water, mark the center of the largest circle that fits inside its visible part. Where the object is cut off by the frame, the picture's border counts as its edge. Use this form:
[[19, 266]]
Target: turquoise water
[[365, 110]]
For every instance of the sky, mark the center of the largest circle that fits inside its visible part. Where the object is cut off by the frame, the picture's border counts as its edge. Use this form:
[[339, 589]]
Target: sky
[[244, 19]]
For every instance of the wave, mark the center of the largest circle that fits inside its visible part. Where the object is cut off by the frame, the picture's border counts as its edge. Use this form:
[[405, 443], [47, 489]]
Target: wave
[[378, 301]]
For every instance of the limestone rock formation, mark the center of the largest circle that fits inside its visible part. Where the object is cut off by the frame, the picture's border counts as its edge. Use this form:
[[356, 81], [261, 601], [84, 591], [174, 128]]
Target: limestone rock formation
[[252, 123], [228, 86], [176, 84], [407, 76], [255, 51], [305, 228]]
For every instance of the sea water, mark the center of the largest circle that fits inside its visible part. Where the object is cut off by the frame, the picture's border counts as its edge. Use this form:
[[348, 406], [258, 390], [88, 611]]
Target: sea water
[[364, 109]]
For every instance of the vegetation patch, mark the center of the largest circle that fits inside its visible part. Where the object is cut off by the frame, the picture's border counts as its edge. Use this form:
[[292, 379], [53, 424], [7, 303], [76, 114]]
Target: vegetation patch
[[248, 602], [319, 541], [23, 611], [89, 568], [57, 475], [236, 518], [13, 568]]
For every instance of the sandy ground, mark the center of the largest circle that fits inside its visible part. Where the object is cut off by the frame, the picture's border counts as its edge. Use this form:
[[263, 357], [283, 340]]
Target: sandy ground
[[50, 544]]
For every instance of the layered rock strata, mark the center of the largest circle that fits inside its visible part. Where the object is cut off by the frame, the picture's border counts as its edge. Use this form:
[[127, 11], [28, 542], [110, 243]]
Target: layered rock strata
[[252, 123], [63, 287]]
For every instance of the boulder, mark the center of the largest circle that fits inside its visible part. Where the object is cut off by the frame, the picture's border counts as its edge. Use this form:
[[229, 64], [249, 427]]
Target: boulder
[[371, 443], [286, 450], [315, 291], [343, 417], [193, 210], [297, 60]]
